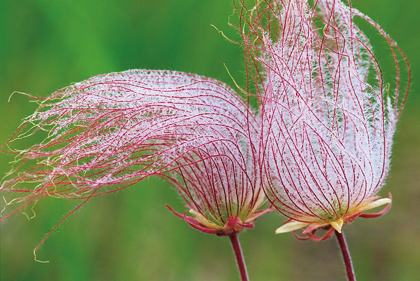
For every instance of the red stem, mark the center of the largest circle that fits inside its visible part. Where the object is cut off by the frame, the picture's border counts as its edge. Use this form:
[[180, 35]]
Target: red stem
[[346, 256], [239, 256]]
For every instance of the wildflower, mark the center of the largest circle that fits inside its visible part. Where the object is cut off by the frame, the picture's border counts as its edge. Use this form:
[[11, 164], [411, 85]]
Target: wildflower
[[329, 116], [112, 131]]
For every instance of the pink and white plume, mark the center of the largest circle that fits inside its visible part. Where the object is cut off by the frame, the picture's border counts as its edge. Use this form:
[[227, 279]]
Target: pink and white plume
[[328, 115], [112, 131]]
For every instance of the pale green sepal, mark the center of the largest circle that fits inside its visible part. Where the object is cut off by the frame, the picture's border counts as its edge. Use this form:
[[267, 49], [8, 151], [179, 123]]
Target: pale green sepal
[[291, 226], [377, 203], [204, 221], [337, 225]]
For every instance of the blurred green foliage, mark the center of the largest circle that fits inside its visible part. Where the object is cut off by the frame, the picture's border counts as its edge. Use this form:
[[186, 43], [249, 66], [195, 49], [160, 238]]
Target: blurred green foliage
[[130, 235]]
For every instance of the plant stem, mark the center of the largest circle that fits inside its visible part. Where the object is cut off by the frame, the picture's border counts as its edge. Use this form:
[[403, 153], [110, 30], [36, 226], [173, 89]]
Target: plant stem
[[239, 256], [346, 256]]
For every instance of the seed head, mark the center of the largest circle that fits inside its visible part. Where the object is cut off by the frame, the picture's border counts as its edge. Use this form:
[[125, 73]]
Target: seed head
[[328, 115], [112, 131]]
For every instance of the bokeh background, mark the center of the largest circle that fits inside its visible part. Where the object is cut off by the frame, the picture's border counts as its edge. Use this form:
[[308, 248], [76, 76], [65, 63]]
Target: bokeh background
[[130, 235]]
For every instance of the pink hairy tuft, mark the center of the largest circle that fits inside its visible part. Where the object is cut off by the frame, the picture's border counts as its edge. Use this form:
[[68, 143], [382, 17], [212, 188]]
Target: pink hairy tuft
[[114, 130], [328, 117]]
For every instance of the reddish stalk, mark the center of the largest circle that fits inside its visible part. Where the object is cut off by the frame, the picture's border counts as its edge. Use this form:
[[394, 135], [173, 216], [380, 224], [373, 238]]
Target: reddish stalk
[[346, 256], [239, 256]]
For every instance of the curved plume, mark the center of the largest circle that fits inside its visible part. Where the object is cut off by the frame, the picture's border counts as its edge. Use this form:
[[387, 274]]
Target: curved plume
[[113, 130], [328, 117]]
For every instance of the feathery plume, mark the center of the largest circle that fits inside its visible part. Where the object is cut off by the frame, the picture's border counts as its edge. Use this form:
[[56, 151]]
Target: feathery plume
[[114, 130], [328, 115]]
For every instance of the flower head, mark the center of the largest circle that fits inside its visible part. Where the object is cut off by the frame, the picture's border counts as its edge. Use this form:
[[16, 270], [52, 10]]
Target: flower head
[[328, 115], [112, 131]]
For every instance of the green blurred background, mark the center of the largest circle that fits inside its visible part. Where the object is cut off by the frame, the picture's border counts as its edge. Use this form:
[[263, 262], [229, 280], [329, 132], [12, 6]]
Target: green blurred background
[[130, 235]]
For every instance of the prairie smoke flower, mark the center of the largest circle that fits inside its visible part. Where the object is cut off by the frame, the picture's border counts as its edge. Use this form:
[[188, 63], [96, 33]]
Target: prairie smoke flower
[[328, 115], [112, 131]]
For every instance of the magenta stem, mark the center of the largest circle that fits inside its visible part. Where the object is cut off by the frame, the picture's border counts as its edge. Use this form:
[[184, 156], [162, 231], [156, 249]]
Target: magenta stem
[[346, 256], [239, 256]]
